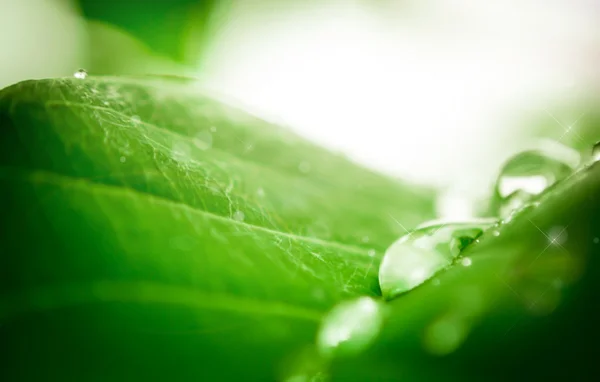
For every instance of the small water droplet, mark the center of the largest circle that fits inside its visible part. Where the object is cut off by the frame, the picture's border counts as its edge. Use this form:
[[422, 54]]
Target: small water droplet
[[260, 192], [418, 255], [81, 74], [123, 159], [304, 167], [435, 282], [213, 129], [371, 252], [106, 103], [203, 140], [496, 233], [596, 240], [365, 239], [466, 262], [596, 152], [136, 119], [529, 173], [238, 216], [350, 327]]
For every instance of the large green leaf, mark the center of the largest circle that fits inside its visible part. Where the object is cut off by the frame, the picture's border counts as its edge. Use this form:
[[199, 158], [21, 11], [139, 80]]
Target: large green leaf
[[151, 232]]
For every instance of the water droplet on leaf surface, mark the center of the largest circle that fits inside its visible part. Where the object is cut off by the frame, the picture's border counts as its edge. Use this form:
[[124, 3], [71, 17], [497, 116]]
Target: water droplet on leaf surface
[[350, 327], [418, 255], [80, 74], [528, 174], [596, 152], [238, 216]]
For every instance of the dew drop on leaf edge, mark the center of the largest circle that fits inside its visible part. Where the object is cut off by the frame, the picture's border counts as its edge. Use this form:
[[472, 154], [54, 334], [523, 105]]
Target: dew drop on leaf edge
[[420, 254], [596, 152], [528, 174], [350, 327], [80, 74]]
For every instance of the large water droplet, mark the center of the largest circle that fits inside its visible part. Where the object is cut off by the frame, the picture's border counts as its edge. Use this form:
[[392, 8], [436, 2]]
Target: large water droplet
[[418, 255], [596, 152], [350, 327], [80, 74], [528, 174]]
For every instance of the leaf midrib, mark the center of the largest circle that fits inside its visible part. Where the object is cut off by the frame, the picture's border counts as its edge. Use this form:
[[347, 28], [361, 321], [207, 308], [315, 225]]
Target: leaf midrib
[[61, 179]]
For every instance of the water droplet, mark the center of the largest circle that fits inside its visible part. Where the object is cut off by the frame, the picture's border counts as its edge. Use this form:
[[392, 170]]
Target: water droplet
[[238, 216], [81, 74], [596, 152], [365, 239], [123, 159], [136, 119], [514, 202], [529, 173], [496, 233], [213, 129], [596, 240], [435, 282], [304, 167], [350, 327], [371, 252], [466, 262], [260, 192], [418, 255], [203, 140]]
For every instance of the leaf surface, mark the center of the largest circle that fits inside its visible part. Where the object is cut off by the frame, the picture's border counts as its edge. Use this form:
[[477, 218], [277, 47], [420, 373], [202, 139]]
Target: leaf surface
[[151, 231]]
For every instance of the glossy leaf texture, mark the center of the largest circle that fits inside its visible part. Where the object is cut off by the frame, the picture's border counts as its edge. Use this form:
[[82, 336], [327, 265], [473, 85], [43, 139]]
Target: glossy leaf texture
[[151, 232]]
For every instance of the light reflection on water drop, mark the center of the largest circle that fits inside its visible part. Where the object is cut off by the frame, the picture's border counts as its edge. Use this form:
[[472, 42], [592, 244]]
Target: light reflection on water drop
[[418, 255], [81, 74], [350, 327], [596, 152]]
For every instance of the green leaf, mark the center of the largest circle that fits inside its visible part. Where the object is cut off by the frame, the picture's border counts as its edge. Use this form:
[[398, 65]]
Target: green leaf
[[152, 232], [522, 309]]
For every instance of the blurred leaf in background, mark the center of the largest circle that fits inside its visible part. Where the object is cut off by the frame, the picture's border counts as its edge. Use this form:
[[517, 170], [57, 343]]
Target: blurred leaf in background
[[40, 38], [162, 25]]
